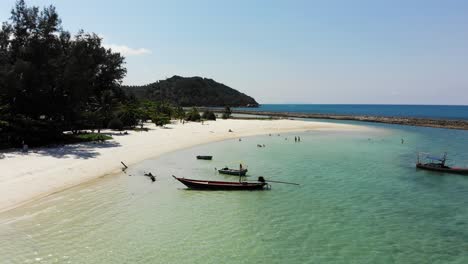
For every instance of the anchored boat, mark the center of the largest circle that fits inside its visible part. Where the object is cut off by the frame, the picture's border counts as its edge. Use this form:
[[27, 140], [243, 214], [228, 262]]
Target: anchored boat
[[234, 172], [221, 185], [437, 164], [204, 157]]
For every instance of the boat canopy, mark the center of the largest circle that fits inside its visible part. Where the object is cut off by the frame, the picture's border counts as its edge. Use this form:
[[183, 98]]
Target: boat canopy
[[435, 158]]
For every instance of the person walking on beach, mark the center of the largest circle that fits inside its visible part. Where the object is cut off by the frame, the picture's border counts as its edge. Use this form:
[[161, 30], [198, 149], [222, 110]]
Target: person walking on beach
[[25, 147]]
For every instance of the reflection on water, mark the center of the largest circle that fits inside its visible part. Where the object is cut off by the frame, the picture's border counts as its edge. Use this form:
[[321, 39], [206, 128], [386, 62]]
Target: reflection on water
[[360, 200]]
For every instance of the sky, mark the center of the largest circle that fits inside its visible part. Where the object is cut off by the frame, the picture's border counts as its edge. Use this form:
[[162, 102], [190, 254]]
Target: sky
[[317, 52]]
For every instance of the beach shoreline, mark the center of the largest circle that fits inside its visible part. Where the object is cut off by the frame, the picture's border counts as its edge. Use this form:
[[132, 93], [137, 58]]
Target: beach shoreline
[[44, 171]]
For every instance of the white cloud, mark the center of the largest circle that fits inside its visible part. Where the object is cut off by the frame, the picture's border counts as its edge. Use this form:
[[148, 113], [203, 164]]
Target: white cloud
[[126, 51]]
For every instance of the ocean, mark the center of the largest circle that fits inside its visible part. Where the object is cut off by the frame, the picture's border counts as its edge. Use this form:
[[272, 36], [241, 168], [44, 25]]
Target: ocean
[[423, 111], [360, 200]]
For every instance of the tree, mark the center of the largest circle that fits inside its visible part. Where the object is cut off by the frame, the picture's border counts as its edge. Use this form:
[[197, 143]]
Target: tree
[[193, 115], [129, 115], [161, 120], [115, 124], [54, 82], [227, 112], [179, 113], [209, 115], [165, 109]]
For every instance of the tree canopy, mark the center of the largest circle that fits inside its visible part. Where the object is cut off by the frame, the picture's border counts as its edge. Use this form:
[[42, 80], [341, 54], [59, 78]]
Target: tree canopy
[[51, 80]]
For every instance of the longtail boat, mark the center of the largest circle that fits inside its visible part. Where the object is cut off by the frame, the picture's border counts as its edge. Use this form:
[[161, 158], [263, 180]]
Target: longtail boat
[[200, 157], [221, 185], [438, 164], [234, 172]]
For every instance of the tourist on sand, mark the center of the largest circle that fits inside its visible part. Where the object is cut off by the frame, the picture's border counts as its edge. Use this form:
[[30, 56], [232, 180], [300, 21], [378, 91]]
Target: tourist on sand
[[25, 147]]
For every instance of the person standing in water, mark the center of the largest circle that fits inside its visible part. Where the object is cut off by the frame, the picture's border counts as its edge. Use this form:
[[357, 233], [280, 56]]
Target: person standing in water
[[295, 139]]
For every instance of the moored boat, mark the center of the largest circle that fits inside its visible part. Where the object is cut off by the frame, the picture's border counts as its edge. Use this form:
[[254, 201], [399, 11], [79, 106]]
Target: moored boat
[[234, 172], [438, 164], [221, 185], [201, 157]]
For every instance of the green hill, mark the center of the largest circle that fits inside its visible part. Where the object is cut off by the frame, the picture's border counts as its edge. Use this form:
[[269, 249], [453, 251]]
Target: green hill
[[191, 91]]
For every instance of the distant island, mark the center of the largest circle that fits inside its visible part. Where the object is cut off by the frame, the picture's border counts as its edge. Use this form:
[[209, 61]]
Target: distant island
[[191, 91]]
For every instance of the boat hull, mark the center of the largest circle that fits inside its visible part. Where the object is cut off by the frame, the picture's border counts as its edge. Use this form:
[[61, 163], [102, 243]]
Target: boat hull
[[233, 172], [462, 171], [221, 186], [205, 157]]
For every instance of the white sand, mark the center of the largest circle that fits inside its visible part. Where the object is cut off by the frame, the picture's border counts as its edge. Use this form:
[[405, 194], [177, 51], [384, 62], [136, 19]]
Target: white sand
[[25, 177]]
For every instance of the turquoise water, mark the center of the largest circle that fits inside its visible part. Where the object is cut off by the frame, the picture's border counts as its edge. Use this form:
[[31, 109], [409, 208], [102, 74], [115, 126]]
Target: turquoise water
[[360, 201]]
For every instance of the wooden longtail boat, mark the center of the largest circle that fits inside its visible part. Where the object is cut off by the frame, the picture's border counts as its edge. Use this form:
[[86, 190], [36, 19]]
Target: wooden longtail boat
[[205, 157], [220, 185], [438, 164]]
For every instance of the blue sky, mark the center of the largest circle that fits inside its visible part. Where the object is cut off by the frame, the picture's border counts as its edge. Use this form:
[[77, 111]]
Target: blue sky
[[390, 52]]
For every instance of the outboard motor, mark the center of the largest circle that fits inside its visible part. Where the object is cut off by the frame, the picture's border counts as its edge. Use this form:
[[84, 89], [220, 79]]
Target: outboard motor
[[261, 179]]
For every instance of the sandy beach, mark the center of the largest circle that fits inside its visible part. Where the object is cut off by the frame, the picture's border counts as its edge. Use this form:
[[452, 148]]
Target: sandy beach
[[42, 171]]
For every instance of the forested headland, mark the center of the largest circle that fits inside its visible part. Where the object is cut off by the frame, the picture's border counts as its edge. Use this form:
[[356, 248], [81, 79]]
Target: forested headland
[[192, 91], [52, 81]]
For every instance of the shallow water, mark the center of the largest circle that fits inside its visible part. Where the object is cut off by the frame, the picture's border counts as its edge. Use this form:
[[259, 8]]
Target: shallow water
[[360, 201]]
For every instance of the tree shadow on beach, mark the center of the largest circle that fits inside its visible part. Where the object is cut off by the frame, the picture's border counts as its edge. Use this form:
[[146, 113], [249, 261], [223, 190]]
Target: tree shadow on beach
[[77, 151]]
